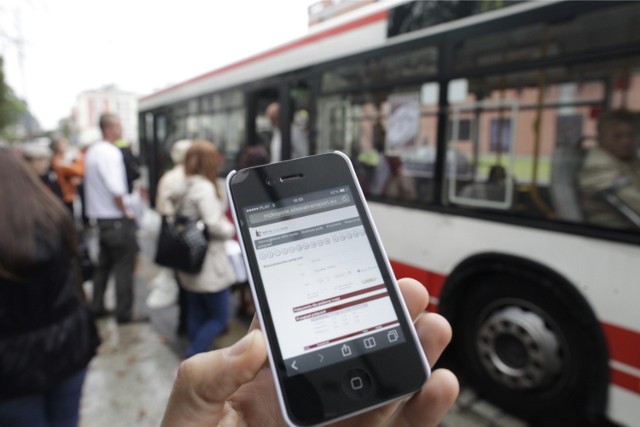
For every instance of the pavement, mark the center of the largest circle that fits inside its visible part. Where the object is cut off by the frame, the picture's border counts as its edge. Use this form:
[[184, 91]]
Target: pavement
[[130, 379]]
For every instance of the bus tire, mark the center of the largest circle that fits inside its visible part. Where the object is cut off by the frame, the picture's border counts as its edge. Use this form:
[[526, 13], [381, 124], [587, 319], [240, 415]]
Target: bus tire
[[523, 347]]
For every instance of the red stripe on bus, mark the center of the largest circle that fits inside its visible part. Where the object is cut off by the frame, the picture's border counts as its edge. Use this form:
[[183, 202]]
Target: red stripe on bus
[[624, 344], [432, 281], [625, 380], [361, 22]]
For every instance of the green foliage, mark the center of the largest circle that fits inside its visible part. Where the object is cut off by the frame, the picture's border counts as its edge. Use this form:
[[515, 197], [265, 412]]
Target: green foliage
[[11, 107], [65, 128]]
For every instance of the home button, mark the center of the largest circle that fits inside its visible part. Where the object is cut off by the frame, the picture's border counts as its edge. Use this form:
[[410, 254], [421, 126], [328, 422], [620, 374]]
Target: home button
[[357, 383]]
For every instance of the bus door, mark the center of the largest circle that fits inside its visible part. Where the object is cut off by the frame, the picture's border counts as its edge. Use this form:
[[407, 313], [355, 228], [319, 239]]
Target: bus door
[[278, 119], [154, 151]]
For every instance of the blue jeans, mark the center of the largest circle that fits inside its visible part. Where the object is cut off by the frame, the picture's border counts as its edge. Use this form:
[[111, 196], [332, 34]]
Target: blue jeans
[[208, 315], [58, 407]]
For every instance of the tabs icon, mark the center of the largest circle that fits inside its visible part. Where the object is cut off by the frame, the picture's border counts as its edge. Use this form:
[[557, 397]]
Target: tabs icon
[[392, 335]]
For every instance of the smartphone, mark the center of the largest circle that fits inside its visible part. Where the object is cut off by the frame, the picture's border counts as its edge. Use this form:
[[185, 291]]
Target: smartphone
[[339, 335]]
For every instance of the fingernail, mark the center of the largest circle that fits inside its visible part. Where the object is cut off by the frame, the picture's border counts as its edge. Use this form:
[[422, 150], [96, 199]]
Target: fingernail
[[241, 346]]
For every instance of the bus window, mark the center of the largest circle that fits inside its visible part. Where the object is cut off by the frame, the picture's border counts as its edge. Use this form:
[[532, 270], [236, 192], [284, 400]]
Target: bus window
[[235, 136], [390, 137], [626, 84], [332, 125], [382, 70], [486, 178], [208, 127], [221, 122], [193, 127], [538, 152], [300, 97], [414, 144], [616, 27]]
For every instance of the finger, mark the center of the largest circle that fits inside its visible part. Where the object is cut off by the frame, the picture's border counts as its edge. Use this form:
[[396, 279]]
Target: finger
[[434, 333], [206, 380], [431, 404], [415, 296], [255, 323]]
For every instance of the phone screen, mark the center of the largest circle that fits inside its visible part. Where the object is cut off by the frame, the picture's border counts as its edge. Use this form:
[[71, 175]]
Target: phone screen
[[325, 290], [340, 338]]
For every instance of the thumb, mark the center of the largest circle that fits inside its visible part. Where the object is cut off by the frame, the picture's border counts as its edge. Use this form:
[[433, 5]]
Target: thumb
[[206, 380]]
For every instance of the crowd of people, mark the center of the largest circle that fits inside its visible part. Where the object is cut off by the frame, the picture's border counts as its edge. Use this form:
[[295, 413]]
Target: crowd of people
[[48, 333]]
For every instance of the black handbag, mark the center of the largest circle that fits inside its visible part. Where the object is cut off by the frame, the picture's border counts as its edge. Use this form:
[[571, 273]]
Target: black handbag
[[182, 243]]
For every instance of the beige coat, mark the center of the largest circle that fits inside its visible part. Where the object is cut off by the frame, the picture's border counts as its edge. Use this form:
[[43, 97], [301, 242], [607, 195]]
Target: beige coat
[[200, 201], [171, 184], [600, 172]]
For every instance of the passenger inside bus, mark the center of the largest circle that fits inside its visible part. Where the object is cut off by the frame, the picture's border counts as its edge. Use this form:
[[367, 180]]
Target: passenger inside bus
[[275, 147], [494, 189], [299, 132], [610, 176]]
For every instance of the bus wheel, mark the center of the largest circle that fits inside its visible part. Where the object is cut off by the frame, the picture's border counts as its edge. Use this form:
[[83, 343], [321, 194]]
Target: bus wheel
[[522, 347]]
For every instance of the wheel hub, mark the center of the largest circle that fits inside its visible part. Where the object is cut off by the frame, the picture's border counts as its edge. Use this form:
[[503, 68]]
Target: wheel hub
[[518, 349]]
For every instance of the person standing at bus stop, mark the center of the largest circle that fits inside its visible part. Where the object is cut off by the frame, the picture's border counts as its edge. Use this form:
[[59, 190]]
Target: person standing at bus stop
[[105, 193], [69, 173], [612, 167], [47, 336], [208, 292], [166, 283]]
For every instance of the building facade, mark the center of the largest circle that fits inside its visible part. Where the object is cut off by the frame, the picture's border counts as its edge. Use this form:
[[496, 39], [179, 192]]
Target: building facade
[[109, 99]]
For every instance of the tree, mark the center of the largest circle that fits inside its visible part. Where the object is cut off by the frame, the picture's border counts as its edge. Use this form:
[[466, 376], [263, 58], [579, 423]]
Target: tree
[[11, 107], [65, 128]]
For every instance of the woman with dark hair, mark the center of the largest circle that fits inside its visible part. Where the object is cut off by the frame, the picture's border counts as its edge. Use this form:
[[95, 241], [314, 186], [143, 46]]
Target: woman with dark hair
[[47, 336], [208, 293]]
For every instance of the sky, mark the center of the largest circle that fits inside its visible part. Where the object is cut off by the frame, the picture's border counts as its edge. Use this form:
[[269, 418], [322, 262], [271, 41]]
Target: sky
[[70, 46]]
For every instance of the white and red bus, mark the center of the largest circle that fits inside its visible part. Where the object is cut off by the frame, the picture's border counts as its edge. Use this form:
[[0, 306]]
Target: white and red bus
[[467, 123]]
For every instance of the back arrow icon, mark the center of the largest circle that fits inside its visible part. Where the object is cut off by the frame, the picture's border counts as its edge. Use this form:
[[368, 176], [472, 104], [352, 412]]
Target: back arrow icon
[[293, 365]]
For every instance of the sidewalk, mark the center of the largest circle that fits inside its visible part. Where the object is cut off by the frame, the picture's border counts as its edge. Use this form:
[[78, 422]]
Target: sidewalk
[[129, 381]]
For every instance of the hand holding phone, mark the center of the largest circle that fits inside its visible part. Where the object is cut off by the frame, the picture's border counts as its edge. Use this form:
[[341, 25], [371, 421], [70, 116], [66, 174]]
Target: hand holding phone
[[339, 336], [232, 386]]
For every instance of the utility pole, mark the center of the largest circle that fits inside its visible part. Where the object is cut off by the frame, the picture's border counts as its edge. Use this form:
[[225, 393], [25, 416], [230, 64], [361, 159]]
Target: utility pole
[[17, 40]]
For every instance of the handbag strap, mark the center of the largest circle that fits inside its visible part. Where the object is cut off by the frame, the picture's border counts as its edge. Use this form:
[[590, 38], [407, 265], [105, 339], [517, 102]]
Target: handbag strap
[[180, 204]]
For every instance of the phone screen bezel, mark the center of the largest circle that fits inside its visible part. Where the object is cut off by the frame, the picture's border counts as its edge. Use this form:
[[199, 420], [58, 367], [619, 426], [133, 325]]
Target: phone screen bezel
[[263, 184]]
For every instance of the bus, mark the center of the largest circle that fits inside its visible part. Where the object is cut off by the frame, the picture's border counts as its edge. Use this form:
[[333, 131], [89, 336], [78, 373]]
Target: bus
[[468, 124]]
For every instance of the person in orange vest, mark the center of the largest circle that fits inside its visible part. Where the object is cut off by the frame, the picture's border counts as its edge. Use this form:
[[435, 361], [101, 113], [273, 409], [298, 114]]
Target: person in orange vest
[[69, 173]]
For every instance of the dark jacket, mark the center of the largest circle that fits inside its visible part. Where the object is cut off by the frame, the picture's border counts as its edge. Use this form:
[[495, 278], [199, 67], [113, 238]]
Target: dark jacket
[[46, 333], [131, 166]]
